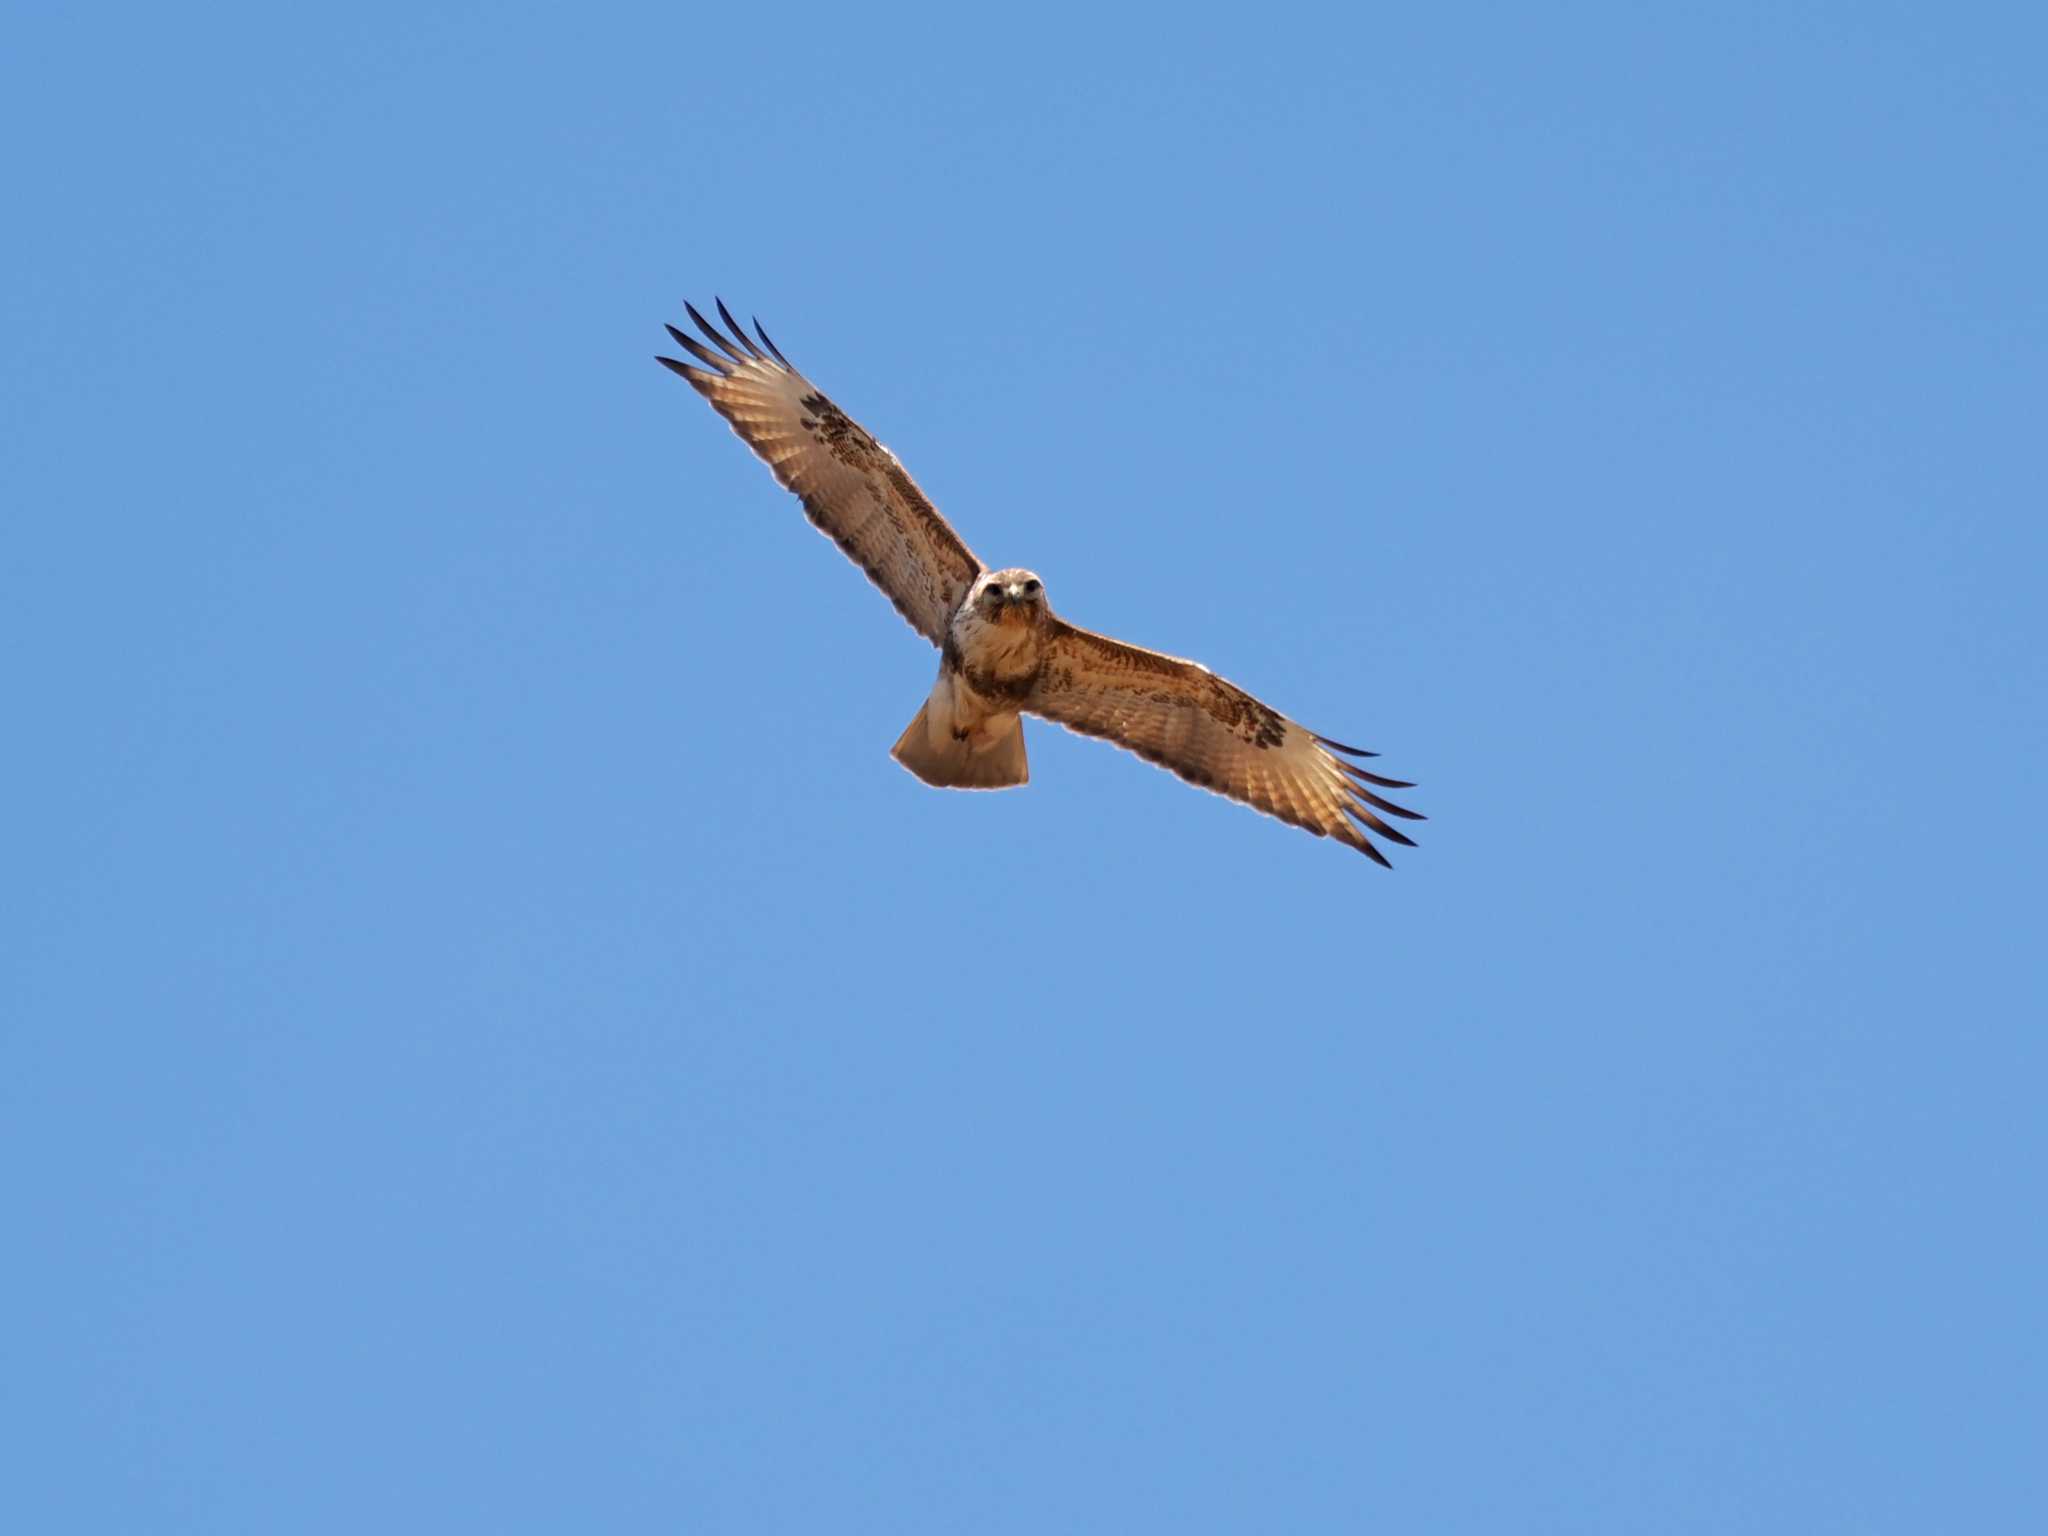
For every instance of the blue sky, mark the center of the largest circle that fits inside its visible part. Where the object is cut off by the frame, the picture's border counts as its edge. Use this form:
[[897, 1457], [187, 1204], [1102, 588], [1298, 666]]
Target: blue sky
[[492, 1042]]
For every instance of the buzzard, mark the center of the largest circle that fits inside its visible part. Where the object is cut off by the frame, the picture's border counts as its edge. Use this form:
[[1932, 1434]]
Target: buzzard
[[1003, 652]]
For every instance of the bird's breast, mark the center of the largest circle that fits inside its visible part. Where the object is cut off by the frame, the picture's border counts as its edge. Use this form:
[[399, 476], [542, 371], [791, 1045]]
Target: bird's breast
[[998, 661]]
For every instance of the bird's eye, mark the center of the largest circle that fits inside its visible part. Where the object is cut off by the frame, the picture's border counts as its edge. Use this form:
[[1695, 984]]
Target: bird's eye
[[1031, 586], [993, 592]]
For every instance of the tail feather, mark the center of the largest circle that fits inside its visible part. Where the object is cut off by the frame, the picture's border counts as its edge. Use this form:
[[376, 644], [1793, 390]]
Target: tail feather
[[974, 762]]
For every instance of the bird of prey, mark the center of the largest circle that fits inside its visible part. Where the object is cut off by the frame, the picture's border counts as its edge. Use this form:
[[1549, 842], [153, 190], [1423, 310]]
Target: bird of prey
[[1003, 653]]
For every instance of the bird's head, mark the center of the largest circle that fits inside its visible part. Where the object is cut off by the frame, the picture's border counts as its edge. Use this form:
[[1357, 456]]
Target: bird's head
[[1015, 596]]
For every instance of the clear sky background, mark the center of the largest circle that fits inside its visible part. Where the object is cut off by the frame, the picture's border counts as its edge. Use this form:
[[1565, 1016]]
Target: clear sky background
[[491, 1042]]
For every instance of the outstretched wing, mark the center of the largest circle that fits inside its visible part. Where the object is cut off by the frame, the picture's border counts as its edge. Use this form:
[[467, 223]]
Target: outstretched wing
[[1182, 716], [850, 485]]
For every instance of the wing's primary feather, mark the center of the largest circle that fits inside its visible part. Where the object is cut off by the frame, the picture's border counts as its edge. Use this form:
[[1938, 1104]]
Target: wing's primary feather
[[850, 485], [1212, 733]]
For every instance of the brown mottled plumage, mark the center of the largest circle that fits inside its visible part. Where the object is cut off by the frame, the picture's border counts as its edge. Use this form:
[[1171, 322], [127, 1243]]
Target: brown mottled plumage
[[1002, 649]]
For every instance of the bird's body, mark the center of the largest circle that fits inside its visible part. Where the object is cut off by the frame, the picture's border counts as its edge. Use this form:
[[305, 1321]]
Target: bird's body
[[1003, 653], [969, 735]]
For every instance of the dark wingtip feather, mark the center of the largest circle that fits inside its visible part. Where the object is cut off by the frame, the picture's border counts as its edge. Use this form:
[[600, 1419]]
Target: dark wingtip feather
[[1387, 805], [1365, 818], [699, 351], [1364, 846], [771, 345], [1380, 779], [1384, 804], [1391, 833], [1338, 746], [706, 384], [711, 331], [736, 328]]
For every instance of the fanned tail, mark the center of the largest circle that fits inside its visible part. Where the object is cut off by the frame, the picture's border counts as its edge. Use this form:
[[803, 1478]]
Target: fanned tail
[[973, 762]]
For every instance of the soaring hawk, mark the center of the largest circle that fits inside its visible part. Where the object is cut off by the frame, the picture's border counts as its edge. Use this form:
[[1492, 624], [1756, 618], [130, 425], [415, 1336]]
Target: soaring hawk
[[1003, 652]]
